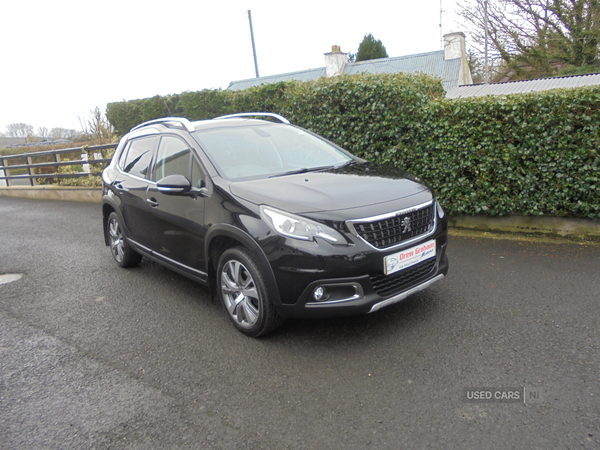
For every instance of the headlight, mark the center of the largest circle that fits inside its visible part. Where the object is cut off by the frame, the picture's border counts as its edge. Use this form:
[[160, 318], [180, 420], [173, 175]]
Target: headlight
[[440, 210], [297, 227]]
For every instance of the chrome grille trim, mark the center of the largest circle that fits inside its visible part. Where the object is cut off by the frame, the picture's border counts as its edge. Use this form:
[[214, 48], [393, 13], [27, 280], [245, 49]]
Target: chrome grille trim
[[403, 295], [355, 224]]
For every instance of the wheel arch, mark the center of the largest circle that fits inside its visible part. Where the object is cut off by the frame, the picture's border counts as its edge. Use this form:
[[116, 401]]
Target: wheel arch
[[107, 209], [222, 237], [109, 206]]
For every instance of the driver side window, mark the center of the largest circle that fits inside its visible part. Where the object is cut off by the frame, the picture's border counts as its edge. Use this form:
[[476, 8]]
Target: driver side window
[[173, 158]]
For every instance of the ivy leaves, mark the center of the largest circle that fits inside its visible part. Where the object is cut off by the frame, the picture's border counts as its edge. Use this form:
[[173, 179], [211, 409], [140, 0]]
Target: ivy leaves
[[530, 154]]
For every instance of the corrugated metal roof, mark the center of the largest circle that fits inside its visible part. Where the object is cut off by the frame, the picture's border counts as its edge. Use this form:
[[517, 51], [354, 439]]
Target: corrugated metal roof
[[520, 87], [303, 75], [431, 63]]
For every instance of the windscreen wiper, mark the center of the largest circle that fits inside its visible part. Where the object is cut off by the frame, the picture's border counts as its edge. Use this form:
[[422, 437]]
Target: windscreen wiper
[[303, 170], [346, 164]]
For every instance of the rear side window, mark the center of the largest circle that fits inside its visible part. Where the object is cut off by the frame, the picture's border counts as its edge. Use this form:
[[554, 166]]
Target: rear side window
[[137, 156]]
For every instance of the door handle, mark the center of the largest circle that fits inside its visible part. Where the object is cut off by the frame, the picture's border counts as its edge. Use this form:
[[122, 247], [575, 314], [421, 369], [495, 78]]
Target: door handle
[[152, 202]]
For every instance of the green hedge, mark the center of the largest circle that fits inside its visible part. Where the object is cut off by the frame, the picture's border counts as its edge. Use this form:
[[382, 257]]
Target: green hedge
[[531, 154]]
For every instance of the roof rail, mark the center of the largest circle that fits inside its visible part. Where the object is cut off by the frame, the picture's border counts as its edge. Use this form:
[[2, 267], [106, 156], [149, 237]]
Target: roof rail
[[253, 114], [176, 122]]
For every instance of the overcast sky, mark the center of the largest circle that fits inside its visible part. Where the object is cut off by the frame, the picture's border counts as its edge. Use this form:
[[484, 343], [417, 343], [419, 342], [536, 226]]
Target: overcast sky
[[63, 58]]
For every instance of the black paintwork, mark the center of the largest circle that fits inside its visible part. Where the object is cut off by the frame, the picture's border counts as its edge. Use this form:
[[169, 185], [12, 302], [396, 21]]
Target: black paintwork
[[188, 231]]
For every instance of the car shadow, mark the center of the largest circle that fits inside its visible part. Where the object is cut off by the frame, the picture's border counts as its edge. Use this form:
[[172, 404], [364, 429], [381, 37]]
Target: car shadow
[[404, 317]]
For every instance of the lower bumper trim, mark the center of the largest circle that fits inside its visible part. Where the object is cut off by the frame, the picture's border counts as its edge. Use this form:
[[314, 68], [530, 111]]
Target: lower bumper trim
[[403, 295]]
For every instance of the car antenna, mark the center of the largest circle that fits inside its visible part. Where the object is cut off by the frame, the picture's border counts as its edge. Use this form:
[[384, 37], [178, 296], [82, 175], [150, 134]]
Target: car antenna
[[167, 106]]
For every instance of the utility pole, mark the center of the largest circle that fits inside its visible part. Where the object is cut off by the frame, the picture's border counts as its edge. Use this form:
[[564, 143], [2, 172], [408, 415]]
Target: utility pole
[[253, 46], [441, 30], [486, 78]]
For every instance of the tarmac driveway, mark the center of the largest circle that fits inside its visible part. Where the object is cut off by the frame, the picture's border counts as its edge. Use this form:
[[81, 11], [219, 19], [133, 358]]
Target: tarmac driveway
[[96, 356]]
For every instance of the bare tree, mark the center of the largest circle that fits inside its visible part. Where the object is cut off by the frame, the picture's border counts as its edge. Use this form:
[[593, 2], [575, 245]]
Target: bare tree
[[534, 37], [72, 134], [43, 132], [63, 133], [57, 133], [19, 130], [97, 126]]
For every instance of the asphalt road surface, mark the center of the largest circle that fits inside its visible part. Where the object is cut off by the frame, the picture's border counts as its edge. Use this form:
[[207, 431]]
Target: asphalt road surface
[[94, 356]]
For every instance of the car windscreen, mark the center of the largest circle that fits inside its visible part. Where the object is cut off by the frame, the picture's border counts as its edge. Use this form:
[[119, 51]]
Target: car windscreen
[[267, 150]]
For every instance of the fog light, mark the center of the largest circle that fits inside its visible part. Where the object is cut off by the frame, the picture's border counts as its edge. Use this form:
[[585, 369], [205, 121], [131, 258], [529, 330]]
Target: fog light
[[319, 293]]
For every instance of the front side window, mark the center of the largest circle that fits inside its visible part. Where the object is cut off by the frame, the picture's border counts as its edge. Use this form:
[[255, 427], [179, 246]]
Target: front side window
[[173, 158], [136, 158]]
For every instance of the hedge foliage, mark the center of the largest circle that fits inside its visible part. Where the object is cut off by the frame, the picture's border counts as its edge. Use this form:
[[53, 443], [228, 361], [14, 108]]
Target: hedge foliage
[[531, 154]]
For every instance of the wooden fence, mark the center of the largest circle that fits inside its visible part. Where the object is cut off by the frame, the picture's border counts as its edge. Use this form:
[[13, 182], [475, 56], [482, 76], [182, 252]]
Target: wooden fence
[[49, 169]]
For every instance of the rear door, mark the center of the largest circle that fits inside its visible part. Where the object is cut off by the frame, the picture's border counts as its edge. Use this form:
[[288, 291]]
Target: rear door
[[132, 184]]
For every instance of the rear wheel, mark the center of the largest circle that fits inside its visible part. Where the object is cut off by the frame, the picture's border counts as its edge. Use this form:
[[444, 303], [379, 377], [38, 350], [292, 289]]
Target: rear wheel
[[122, 252], [244, 294]]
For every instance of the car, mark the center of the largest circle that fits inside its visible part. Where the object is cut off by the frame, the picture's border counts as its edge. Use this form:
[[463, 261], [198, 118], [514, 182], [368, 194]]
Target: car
[[276, 220]]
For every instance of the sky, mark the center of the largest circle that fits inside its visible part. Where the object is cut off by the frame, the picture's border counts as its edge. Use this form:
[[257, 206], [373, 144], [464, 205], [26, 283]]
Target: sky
[[63, 58]]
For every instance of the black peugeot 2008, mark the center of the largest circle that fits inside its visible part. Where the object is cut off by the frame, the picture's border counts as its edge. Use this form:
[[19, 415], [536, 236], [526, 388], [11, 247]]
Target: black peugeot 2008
[[278, 221]]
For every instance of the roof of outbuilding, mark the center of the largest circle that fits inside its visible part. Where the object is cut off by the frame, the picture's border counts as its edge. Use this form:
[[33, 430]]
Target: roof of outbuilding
[[431, 63], [524, 86]]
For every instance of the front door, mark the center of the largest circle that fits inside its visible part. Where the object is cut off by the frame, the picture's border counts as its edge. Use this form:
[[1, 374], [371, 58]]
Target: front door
[[177, 220]]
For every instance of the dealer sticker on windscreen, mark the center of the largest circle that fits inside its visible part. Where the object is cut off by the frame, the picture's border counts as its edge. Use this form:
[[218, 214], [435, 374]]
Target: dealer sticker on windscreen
[[409, 257]]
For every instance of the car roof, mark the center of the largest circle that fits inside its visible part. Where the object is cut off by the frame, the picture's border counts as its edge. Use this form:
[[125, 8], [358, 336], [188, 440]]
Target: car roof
[[232, 120], [230, 123]]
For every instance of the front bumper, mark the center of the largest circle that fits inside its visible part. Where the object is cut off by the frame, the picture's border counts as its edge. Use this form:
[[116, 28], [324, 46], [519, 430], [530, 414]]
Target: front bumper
[[356, 295]]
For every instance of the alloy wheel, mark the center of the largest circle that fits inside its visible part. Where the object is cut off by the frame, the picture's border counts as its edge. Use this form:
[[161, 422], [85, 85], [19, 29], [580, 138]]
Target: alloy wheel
[[240, 294], [117, 245]]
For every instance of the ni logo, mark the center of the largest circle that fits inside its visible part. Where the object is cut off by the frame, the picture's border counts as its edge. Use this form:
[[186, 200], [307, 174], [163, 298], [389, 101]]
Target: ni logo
[[406, 225]]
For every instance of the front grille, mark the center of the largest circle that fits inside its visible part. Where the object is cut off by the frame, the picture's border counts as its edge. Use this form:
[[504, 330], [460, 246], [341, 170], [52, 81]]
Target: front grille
[[387, 285], [388, 232]]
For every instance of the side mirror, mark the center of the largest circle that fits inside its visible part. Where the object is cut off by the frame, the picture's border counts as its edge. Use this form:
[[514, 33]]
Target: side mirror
[[174, 185]]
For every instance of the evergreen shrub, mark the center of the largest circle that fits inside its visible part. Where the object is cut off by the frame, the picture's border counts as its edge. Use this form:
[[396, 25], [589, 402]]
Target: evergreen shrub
[[532, 154]]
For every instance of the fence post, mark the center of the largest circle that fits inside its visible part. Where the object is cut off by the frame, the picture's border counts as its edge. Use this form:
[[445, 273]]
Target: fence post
[[31, 171], [4, 173], [86, 166], [2, 182]]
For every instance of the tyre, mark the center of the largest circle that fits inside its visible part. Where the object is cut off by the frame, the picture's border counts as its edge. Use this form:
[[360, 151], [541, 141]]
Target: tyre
[[124, 255], [243, 293]]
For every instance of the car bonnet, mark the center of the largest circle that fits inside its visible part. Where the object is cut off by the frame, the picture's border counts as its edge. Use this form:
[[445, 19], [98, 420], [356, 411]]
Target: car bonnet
[[331, 190]]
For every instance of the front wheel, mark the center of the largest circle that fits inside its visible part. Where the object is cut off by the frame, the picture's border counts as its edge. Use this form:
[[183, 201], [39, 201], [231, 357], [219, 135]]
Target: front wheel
[[122, 252], [244, 294]]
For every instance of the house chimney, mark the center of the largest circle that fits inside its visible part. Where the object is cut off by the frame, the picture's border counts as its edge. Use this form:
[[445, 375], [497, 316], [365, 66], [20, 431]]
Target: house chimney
[[335, 61], [455, 48]]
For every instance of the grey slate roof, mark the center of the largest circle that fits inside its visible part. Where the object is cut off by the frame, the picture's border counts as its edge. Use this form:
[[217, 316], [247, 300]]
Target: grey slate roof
[[431, 63], [520, 87]]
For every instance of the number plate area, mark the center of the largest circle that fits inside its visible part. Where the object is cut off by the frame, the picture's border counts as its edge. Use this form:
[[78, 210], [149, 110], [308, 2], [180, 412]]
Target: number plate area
[[406, 258]]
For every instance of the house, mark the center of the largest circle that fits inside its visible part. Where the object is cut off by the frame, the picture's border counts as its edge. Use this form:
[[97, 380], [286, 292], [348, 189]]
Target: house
[[449, 64], [8, 141], [524, 86]]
